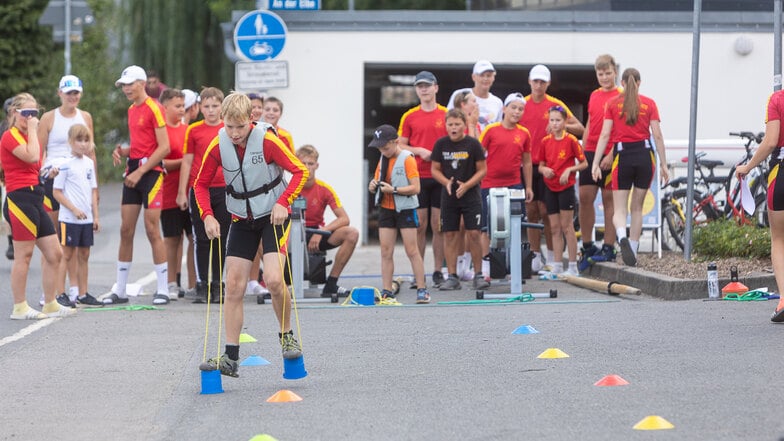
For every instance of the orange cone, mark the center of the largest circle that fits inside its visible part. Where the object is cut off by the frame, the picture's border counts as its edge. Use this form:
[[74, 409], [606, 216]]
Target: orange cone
[[611, 380], [284, 396]]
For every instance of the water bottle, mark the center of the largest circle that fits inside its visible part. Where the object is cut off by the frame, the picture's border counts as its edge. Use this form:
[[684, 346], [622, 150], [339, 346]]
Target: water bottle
[[713, 281]]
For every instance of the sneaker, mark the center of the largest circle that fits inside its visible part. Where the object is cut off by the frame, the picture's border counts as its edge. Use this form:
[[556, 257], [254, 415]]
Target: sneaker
[[586, 253], [114, 299], [536, 265], [451, 284], [413, 285], [217, 292], [30, 314], [88, 300], [160, 299], [480, 282], [569, 273], [423, 296], [174, 291], [62, 312], [64, 300], [290, 345], [607, 254], [627, 253], [547, 275], [438, 278], [339, 290], [387, 294], [180, 292], [227, 366]]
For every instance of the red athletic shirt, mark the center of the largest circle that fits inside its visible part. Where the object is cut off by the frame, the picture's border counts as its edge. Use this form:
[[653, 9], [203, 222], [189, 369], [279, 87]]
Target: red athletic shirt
[[536, 117], [320, 196], [621, 132], [18, 174], [505, 148], [275, 152], [560, 154], [596, 103], [286, 137], [142, 122], [775, 112], [197, 138], [171, 181], [423, 129]]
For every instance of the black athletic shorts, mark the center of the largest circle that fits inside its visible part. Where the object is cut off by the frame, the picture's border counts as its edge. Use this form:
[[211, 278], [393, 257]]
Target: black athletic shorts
[[537, 182], [323, 244], [24, 212], [174, 222], [557, 201], [392, 219], [50, 203], [245, 235], [429, 193], [633, 167], [147, 193], [452, 209], [586, 178]]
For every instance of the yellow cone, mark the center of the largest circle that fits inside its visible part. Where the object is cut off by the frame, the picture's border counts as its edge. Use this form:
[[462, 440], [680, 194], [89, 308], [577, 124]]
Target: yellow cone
[[245, 338], [553, 353], [263, 437], [653, 422]]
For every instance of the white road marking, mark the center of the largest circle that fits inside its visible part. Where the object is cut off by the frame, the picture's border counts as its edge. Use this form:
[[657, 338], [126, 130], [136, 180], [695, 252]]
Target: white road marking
[[24, 332]]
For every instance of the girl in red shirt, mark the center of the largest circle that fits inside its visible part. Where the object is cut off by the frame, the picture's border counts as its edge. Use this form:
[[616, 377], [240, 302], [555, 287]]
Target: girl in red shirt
[[629, 121], [561, 160], [20, 154]]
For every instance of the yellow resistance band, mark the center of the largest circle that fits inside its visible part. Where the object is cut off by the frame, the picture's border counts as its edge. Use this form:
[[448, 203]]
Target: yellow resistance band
[[209, 301], [286, 295]]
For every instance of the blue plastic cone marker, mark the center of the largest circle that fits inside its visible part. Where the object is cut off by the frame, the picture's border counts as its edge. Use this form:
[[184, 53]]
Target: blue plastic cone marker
[[254, 360], [363, 296], [294, 368], [525, 329], [211, 382]]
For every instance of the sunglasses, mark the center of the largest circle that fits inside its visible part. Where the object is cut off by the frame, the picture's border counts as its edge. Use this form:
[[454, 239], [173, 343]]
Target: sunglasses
[[27, 113]]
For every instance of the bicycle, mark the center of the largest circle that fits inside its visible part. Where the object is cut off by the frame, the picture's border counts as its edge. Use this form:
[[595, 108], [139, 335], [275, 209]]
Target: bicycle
[[757, 181]]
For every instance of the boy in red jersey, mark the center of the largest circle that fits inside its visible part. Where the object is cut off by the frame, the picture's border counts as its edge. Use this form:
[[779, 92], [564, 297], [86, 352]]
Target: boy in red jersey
[[606, 73], [536, 119], [320, 195], [175, 222], [253, 160], [198, 136], [273, 110], [563, 158], [143, 183], [419, 129]]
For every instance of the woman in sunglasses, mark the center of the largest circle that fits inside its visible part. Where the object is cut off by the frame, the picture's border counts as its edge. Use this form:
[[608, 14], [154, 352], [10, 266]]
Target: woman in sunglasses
[[20, 154], [629, 121]]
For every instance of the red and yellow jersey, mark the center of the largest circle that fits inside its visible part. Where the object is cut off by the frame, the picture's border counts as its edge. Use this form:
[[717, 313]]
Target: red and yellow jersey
[[596, 103], [286, 137], [536, 117], [171, 181], [775, 112], [622, 132], [142, 122], [412, 171], [504, 151], [560, 154], [197, 138], [320, 195], [423, 129], [275, 151], [18, 173]]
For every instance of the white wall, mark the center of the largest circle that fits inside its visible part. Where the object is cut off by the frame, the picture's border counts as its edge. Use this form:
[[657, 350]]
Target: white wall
[[324, 101]]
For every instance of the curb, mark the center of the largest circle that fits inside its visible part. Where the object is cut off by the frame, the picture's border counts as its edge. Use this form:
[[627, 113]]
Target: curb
[[669, 288]]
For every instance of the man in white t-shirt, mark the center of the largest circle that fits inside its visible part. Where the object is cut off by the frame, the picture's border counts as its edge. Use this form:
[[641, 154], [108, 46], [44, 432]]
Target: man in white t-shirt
[[490, 106]]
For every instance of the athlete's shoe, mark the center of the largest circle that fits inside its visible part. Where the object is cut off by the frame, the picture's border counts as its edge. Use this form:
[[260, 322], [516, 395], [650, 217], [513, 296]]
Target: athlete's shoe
[[289, 345], [480, 282], [438, 278], [450, 284], [569, 273], [627, 253], [423, 296], [64, 300], [339, 290], [227, 366], [174, 291], [88, 300], [62, 312], [607, 254], [30, 314], [587, 253]]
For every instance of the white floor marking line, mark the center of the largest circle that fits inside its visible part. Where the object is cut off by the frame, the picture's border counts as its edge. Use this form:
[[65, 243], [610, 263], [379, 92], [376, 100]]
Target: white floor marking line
[[24, 332]]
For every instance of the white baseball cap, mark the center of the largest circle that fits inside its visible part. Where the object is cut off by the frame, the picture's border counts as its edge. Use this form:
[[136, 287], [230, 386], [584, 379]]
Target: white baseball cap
[[514, 96], [131, 74], [190, 97], [69, 83], [539, 72], [483, 66]]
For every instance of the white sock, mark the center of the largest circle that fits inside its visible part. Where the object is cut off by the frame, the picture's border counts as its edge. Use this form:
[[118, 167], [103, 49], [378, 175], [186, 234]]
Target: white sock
[[123, 270], [620, 233], [461, 265], [557, 267], [161, 271], [485, 267], [634, 244], [73, 292], [551, 256], [573, 267]]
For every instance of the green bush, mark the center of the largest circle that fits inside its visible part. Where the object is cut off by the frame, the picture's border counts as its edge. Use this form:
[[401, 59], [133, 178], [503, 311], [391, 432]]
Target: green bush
[[725, 238]]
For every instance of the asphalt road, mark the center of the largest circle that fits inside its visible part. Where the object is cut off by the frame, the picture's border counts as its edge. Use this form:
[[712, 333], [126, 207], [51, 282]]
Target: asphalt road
[[433, 372]]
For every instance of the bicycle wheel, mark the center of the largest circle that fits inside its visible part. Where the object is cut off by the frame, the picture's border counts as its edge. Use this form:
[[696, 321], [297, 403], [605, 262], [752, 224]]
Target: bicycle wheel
[[704, 209], [761, 210], [673, 234]]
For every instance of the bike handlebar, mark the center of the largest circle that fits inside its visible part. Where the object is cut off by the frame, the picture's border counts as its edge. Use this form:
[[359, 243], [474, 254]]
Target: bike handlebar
[[749, 135]]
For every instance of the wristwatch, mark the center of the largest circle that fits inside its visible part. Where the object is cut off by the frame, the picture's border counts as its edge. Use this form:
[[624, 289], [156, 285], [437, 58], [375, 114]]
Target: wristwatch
[[394, 190]]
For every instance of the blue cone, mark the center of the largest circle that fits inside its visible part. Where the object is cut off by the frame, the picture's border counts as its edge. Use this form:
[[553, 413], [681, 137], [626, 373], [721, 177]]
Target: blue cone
[[525, 329], [294, 368], [254, 360], [211, 382]]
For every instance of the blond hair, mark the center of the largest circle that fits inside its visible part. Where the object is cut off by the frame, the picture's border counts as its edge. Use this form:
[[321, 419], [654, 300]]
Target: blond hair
[[17, 103], [79, 132], [605, 61], [211, 92], [308, 151], [237, 107]]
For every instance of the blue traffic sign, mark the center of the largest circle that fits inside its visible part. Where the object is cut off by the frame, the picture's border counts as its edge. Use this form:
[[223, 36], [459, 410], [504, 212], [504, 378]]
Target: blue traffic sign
[[260, 35]]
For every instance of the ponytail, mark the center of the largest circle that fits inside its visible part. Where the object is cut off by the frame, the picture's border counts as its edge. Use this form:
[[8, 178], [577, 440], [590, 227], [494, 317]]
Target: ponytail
[[631, 95]]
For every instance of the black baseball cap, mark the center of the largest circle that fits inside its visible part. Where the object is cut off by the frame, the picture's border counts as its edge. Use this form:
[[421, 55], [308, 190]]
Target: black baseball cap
[[382, 135], [425, 77]]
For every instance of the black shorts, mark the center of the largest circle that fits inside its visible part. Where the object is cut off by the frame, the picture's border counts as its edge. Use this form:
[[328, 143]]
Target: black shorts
[[24, 212], [147, 193], [452, 209], [323, 244], [429, 193], [50, 203], [586, 178], [537, 182], [245, 235], [633, 167], [392, 219], [557, 201], [776, 188], [219, 212], [76, 235], [174, 222]]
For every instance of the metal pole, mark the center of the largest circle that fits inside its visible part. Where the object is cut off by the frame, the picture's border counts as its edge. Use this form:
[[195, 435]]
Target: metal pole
[[777, 45], [67, 37], [695, 75], [350, 5]]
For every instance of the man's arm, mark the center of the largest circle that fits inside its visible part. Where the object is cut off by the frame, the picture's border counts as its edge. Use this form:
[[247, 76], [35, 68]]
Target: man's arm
[[575, 127]]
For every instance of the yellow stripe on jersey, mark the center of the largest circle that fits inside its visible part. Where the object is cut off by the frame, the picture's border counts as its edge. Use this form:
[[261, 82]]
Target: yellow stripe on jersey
[[331, 190], [160, 121], [213, 144], [22, 217], [294, 160], [188, 135], [18, 136]]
